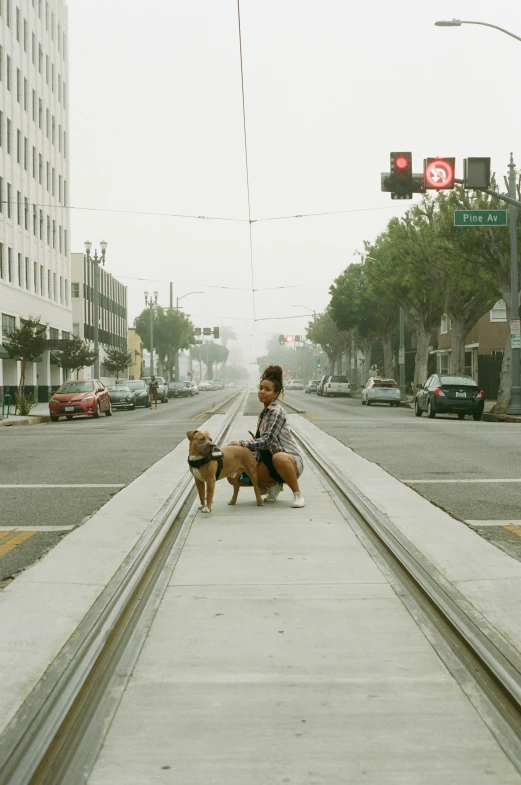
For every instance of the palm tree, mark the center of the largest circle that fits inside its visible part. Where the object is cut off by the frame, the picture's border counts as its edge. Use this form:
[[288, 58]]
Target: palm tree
[[227, 334]]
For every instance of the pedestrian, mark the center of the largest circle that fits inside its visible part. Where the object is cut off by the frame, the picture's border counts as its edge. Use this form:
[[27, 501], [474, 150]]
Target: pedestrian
[[278, 457], [153, 387]]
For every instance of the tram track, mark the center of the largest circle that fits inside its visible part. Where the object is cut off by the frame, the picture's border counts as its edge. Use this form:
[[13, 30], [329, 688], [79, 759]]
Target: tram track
[[54, 737], [475, 653]]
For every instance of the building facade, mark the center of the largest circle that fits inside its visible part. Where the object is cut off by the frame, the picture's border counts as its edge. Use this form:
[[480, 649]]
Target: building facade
[[35, 268], [135, 347], [112, 310]]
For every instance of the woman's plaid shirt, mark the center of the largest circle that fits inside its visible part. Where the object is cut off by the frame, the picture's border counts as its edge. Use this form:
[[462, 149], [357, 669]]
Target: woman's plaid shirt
[[275, 435]]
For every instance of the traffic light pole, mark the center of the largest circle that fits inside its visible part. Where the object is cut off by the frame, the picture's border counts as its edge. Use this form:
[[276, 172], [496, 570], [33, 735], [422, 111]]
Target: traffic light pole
[[401, 355], [515, 337]]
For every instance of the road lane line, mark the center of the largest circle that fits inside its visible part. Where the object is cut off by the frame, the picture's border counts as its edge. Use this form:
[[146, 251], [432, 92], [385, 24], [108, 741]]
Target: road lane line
[[6, 534], [70, 485], [514, 529], [14, 541], [441, 482], [33, 529], [494, 523]]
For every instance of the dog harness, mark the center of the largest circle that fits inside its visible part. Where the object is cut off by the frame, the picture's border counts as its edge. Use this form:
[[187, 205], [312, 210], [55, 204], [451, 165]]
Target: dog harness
[[215, 455]]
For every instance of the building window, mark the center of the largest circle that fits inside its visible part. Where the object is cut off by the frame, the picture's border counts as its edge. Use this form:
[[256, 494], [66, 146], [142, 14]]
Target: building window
[[8, 323], [60, 188], [53, 181], [35, 220], [66, 292], [40, 58], [49, 232], [8, 200], [59, 87], [41, 225], [40, 168], [18, 24], [40, 113], [34, 162], [76, 329], [26, 213], [60, 239], [19, 269], [49, 288], [1, 129], [10, 265], [35, 277], [34, 105], [47, 69], [75, 290], [65, 193], [8, 71], [26, 93], [41, 281], [33, 47], [18, 85], [53, 77], [54, 234], [8, 134], [48, 178], [1, 260], [53, 132], [27, 282], [47, 123], [59, 138], [499, 312], [8, 13], [1, 194], [61, 290], [18, 146], [19, 208], [26, 153], [55, 293], [65, 240], [26, 36]]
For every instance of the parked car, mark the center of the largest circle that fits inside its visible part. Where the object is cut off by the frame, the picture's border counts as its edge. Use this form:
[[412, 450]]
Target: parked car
[[295, 384], [320, 386], [191, 391], [206, 385], [457, 394], [162, 390], [194, 387], [80, 397], [337, 385], [138, 387], [218, 384], [378, 390], [122, 397], [179, 390], [311, 387]]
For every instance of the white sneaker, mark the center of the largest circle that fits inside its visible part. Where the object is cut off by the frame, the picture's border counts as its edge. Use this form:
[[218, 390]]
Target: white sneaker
[[298, 500], [273, 493]]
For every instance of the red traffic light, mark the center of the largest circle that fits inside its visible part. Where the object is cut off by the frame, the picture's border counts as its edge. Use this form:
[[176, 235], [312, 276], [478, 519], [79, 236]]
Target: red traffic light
[[439, 173], [401, 162], [289, 338]]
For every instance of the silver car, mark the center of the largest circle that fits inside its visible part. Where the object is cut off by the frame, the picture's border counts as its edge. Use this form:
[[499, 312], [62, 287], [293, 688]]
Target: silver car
[[378, 390]]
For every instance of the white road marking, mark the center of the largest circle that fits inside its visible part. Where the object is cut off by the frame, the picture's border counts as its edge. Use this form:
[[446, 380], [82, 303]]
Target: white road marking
[[494, 523], [441, 482], [36, 528], [70, 485]]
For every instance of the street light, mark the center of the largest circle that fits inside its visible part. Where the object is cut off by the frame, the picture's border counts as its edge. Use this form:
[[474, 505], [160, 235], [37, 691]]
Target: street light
[[190, 350], [515, 390], [151, 304], [306, 307], [96, 260]]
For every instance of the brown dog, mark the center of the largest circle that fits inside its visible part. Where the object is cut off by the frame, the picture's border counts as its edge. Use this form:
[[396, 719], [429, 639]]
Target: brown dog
[[232, 460]]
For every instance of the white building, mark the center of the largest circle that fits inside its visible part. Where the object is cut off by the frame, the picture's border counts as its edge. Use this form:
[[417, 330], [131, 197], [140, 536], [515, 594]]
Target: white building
[[112, 310], [35, 271]]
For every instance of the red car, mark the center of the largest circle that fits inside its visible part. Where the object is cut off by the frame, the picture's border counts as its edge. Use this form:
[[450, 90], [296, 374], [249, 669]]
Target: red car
[[77, 398]]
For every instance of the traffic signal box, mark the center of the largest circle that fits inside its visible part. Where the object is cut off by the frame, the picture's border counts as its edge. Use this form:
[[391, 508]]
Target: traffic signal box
[[401, 176]]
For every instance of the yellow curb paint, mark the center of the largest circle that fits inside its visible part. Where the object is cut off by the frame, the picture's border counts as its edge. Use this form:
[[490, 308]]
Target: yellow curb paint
[[14, 541]]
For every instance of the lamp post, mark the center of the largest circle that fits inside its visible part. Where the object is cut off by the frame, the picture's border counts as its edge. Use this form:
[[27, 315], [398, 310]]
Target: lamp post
[[515, 390], [151, 304], [177, 354], [96, 260]]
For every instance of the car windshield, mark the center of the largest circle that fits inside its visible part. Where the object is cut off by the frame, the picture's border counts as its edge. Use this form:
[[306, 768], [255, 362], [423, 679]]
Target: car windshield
[[137, 385], [340, 379], [75, 387], [384, 383], [467, 381], [120, 388]]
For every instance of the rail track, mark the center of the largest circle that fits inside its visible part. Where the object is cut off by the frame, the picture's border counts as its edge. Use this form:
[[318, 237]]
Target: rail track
[[56, 737]]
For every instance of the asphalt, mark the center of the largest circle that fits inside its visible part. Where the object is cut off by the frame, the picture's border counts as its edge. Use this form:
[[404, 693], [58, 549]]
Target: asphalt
[[112, 451], [445, 449]]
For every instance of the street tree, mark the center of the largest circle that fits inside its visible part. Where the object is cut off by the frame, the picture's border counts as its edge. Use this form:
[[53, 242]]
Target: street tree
[[26, 343], [74, 355], [117, 360], [323, 330], [227, 335], [173, 331]]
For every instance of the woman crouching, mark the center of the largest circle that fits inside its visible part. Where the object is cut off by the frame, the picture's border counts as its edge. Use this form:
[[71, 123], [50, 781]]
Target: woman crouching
[[278, 458]]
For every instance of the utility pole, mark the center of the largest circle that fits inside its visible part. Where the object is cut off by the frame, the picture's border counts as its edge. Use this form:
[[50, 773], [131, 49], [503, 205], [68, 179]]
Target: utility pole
[[515, 399], [96, 260], [151, 303], [401, 355]]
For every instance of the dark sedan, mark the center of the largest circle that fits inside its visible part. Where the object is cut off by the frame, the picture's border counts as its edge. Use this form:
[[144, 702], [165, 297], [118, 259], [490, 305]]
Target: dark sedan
[[122, 397], [450, 395], [178, 390], [139, 389]]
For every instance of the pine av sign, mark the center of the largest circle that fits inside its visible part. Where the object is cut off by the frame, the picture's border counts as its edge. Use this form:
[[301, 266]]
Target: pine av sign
[[480, 217]]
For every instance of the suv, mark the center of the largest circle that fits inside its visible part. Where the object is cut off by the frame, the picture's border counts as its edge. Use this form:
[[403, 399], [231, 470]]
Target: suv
[[311, 387], [337, 385], [295, 384], [162, 390]]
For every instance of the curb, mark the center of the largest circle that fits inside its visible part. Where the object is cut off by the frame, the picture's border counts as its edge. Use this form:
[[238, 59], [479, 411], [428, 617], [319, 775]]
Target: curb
[[36, 420], [489, 417], [294, 408]]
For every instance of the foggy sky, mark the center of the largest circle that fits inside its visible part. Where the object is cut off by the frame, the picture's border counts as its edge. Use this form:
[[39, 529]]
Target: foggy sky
[[331, 87]]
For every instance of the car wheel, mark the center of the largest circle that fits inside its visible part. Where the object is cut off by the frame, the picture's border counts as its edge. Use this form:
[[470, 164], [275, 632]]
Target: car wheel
[[54, 419], [477, 416], [108, 413], [362, 401], [132, 407], [431, 411], [417, 411], [461, 415], [96, 414], [397, 404], [368, 402]]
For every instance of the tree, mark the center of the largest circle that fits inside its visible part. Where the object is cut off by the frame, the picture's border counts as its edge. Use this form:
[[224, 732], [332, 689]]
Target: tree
[[26, 343], [117, 360], [212, 354], [74, 355], [323, 330], [172, 331], [227, 334]]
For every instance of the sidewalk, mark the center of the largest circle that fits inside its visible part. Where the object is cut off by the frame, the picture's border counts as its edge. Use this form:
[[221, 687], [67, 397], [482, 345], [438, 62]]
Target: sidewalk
[[39, 414]]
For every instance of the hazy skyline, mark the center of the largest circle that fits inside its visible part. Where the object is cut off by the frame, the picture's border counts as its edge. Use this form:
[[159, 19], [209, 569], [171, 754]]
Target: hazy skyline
[[331, 87]]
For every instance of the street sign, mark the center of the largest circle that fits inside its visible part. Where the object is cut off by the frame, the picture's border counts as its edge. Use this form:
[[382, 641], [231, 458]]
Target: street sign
[[439, 173], [515, 333], [401, 355], [480, 217]]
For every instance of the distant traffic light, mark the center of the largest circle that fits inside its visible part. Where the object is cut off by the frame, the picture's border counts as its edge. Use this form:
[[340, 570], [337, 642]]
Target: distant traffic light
[[318, 364], [298, 338], [289, 338], [401, 176], [281, 340], [439, 173], [216, 332]]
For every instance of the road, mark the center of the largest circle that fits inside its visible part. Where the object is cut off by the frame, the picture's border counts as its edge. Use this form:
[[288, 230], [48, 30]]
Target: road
[[470, 469], [101, 455]]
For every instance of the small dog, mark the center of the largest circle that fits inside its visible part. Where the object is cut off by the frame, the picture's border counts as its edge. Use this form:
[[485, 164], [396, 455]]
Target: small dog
[[205, 460]]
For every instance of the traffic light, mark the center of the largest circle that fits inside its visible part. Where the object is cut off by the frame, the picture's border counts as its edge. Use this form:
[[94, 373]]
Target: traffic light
[[197, 331], [439, 173], [281, 340], [289, 338], [476, 172], [297, 338], [216, 332], [318, 364], [401, 176]]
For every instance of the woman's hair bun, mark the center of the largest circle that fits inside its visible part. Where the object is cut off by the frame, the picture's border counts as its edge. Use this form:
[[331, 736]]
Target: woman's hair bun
[[273, 373]]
